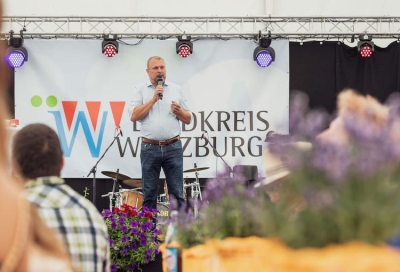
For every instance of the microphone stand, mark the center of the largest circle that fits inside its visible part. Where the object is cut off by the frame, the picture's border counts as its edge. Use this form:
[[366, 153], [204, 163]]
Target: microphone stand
[[94, 168], [218, 155]]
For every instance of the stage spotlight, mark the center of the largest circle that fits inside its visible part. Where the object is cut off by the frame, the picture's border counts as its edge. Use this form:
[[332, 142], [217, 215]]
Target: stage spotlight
[[365, 46], [264, 55], [184, 47], [110, 45], [16, 54]]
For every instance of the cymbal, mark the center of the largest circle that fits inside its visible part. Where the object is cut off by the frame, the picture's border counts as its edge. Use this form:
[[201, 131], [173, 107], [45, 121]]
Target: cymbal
[[115, 175], [195, 169], [133, 182]]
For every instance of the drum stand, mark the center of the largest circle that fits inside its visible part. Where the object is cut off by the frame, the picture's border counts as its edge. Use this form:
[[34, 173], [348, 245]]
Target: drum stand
[[195, 194], [111, 194]]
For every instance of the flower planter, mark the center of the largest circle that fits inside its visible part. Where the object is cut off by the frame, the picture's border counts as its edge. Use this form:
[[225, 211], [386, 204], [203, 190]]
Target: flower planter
[[152, 266], [257, 254]]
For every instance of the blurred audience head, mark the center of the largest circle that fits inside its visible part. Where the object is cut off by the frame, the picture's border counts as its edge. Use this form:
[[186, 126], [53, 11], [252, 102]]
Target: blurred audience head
[[357, 109], [37, 152]]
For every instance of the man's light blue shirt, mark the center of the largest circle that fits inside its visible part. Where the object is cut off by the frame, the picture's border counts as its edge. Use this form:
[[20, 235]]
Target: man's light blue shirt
[[159, 123]]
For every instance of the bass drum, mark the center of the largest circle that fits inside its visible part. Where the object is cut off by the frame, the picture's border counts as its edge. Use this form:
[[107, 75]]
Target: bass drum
[[163, 214]]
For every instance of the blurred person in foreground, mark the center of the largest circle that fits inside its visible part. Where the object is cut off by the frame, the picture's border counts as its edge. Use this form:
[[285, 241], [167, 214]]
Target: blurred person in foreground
[[26, 244], [38, 158], [353, 106]]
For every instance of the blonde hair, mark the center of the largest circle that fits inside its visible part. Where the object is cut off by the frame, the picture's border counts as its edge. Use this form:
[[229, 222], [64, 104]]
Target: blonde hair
[[350, 102]]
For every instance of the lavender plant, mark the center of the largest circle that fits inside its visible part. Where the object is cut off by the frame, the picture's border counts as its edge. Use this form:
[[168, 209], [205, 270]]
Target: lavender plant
[[228, 209], [349, 182], [346, 188]]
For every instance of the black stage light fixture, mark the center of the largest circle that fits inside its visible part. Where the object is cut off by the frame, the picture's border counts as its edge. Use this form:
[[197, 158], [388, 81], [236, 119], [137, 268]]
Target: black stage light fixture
[[109, 46], [16, 54], [184, 47], [365, 46], [264, 55]]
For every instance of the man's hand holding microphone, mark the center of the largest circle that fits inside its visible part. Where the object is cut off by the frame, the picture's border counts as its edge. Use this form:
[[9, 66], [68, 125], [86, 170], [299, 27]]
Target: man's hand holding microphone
[[159, 88]]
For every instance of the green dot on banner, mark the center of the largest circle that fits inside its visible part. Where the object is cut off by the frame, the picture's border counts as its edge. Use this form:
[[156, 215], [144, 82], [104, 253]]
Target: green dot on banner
[[51, 101], [36, 101]]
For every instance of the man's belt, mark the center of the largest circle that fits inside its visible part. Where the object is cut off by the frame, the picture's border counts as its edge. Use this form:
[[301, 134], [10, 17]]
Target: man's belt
[[165, 142]]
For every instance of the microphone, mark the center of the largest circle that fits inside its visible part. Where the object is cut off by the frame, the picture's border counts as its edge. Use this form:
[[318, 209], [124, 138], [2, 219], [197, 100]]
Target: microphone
[[120, 130], [160, 81], [203, 136]]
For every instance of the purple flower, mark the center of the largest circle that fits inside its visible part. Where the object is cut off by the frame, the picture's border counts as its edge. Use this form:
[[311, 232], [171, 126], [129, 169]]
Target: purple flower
[[124, 239], [155, 210], [113, 225], [134, 231], [121, 220], [156, 231], [106, 213], [123, 228], [114, 267], [111, 241], [145, 209], [149, 225], [144, 226], [134, 224]]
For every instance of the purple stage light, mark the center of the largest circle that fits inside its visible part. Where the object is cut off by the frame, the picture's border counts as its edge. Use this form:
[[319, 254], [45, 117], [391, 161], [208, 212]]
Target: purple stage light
[[15, 58], [264, 58], [264, 55]]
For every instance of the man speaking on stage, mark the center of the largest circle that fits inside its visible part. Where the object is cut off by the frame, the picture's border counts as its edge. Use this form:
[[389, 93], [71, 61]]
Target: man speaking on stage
[[160, 106]]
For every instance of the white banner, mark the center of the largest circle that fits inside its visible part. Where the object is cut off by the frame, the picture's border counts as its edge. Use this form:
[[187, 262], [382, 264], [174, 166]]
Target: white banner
[[70, 86]]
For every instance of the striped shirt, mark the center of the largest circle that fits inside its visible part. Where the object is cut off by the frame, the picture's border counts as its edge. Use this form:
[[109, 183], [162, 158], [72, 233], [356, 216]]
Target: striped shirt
[[76, 221], [159, 123]]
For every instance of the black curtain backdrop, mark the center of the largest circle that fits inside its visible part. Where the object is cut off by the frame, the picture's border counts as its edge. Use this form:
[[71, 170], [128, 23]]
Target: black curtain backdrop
[[321, 70], [312, 70], [377, 75]]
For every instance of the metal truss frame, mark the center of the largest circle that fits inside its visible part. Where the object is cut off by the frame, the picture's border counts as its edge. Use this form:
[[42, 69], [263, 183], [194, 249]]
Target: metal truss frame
[[298, 28]]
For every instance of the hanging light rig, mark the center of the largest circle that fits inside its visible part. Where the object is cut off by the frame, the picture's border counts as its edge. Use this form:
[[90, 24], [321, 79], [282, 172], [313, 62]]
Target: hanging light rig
[[16, 54], [365, 46], [184, 47], [264, 55], [110, 45]]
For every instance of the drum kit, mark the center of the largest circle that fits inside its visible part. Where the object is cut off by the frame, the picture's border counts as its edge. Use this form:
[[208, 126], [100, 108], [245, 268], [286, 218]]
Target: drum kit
[[134, 197]]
